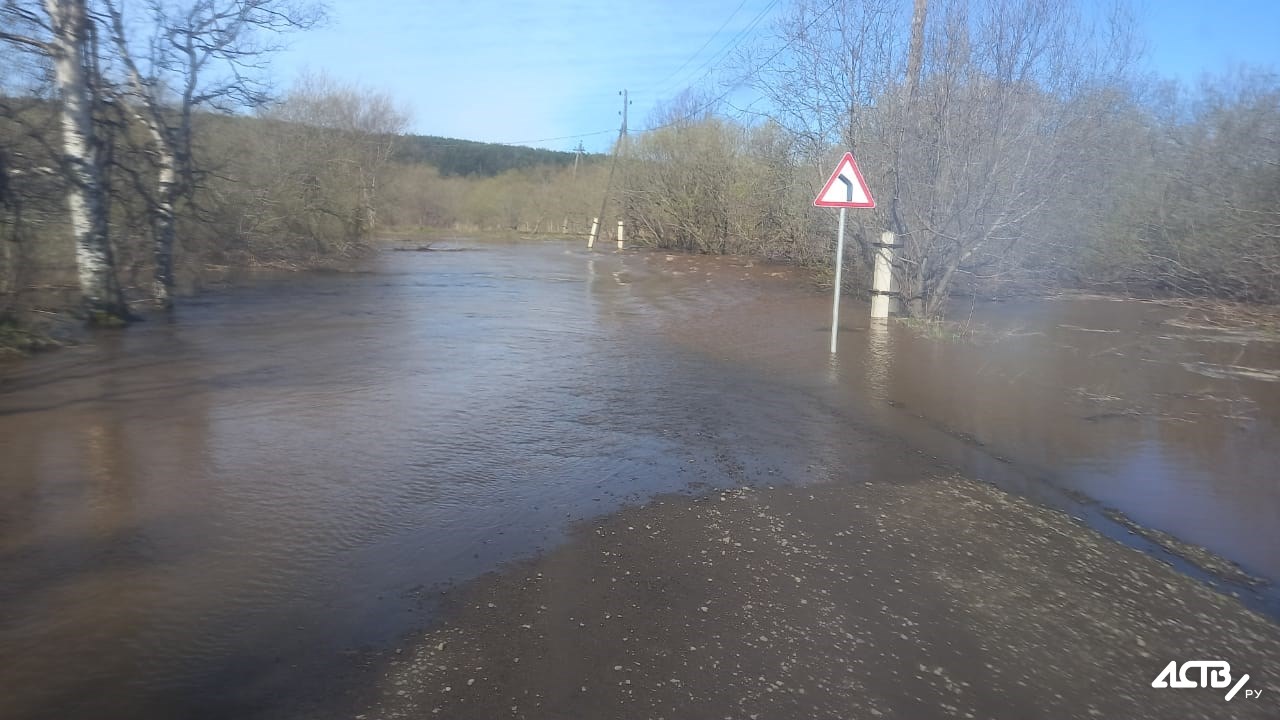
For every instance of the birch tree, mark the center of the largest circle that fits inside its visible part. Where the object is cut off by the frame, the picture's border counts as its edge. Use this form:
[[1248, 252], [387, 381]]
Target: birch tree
[[63, 31], [200, 53]]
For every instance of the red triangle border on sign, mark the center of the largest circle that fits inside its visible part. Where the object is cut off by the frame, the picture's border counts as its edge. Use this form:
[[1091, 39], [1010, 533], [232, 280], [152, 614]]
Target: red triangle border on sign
[[848, 158]]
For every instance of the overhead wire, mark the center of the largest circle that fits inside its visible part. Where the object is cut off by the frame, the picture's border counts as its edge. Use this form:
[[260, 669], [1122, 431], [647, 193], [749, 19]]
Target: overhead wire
[[704, 45], [711, 103], [706, 67], [562, 137]]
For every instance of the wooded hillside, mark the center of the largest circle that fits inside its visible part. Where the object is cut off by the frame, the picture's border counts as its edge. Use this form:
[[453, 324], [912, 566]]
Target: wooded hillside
[[464, 158]]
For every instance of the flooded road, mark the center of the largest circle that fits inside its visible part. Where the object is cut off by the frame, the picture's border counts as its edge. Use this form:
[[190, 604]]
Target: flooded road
[[199, 515]]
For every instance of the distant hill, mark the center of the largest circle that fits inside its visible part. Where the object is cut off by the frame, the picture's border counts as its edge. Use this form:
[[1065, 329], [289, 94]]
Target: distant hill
[[467, 157]]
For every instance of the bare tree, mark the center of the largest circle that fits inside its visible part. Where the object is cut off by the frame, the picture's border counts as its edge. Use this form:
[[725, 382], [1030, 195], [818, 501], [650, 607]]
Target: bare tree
[[1201, 213], [63, 31], [677, 179], [201, 53], [973, 122], [364, 123], [699, 183], [320, 158]]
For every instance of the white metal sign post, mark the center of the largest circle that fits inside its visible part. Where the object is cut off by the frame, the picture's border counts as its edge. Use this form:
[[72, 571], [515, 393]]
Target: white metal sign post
[[835, 303], [844, 189]]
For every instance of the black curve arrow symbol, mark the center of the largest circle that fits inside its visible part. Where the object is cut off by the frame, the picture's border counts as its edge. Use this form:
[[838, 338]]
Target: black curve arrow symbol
[[848, 187]]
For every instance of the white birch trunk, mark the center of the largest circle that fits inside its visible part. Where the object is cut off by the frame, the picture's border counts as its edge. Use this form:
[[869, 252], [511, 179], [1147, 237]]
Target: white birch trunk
[[95, 264], [164, 225], [149, 114]]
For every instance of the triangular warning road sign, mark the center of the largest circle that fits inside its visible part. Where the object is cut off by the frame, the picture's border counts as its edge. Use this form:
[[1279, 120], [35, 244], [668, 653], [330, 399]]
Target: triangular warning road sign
[[846, 188]]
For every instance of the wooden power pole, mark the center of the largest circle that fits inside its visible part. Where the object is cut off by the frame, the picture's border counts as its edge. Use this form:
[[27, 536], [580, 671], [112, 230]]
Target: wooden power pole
[[613, 165]]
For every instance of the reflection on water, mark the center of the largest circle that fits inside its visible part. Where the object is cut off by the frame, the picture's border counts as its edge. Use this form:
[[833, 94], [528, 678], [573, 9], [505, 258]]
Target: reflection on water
[[196, 515], [879, 359]]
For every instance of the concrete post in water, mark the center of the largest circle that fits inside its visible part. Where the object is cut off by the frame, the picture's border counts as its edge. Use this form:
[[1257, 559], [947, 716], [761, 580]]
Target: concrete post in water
[[595, 230], [619, 234], [835, 306], [882, 277]]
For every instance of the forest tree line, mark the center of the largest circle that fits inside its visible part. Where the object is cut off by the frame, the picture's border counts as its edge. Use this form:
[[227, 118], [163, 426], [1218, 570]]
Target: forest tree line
[[461, 158], [1011, 144]]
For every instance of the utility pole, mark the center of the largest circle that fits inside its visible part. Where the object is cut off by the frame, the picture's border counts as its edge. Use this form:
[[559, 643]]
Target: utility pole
[[613, 165], [577, 153], [625, 103]]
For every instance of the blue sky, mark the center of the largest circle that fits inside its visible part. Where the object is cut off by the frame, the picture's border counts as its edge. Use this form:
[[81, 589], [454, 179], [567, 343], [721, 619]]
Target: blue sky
[[548, 73]]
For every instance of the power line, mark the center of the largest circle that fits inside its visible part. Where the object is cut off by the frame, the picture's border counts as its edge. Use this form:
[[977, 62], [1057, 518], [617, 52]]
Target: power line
[[704, 45], [693, 113], [562, 137], [742, 34], [731, 44]]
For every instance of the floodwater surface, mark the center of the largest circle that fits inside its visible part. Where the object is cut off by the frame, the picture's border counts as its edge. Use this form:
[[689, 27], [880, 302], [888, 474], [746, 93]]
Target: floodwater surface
[[213, 516]]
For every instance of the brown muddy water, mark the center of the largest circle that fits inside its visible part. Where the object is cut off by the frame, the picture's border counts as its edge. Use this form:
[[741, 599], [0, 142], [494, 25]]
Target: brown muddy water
[[215, 516]]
